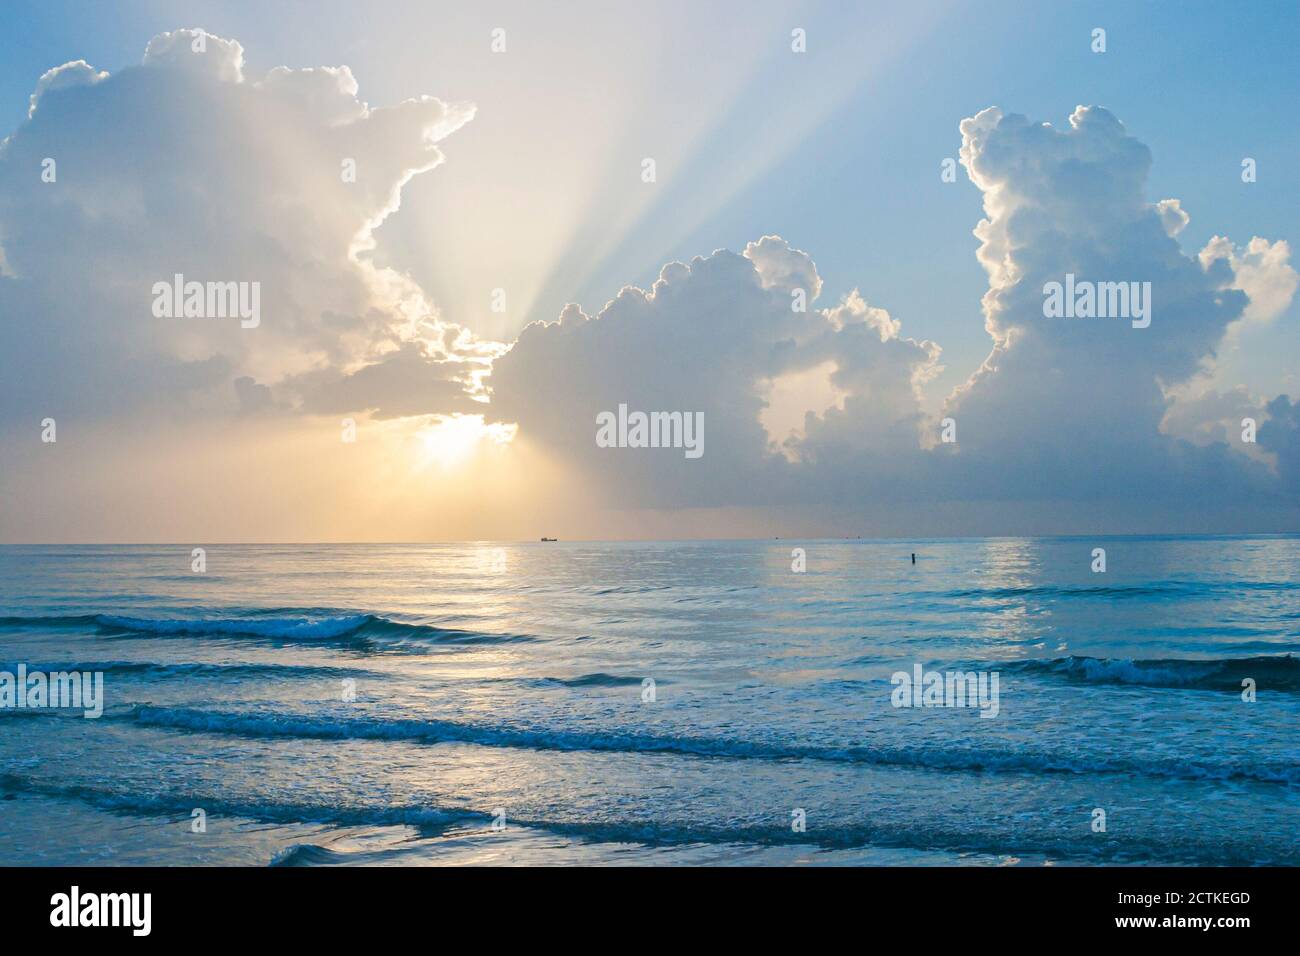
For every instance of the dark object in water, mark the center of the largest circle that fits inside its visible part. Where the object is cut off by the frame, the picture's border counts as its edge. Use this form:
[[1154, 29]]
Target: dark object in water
[[914, 557], [550, 539]]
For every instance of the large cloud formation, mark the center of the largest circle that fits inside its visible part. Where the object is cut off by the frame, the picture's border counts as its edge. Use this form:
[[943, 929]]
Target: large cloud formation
[[183, 165], [1079, 410], [1077, 404], [713, 336]]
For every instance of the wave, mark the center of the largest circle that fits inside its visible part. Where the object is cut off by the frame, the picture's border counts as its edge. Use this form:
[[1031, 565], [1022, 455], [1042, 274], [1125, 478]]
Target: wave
[[192, 669], [598, 679], [588, 680], [633, 589], [1269, 673], [291, 628], [921, 757], [1153, 589], [308, 854], [437, 821], [352, 627], [42, 713], [252, 669], [49, 622], [269, 811]]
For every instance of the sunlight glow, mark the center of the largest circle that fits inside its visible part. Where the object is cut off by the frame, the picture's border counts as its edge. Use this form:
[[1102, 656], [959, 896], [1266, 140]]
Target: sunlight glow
[[454, 439]]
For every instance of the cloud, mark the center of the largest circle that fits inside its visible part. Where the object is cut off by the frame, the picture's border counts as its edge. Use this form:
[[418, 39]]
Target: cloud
[[252, 396], [405, 382], [1204, 409], [1090, 411], [1072, 408], [199, 52], [781, 267], [1206, 416], [713, 336], [184, 165], [1280, 436], [1262, 271], [67, 76]]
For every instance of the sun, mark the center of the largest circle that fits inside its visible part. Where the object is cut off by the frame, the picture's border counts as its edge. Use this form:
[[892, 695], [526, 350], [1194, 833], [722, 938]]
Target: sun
[[454, 439]]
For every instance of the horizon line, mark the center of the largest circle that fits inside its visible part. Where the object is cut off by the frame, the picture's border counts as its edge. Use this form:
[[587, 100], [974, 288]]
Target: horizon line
[[500, 541]]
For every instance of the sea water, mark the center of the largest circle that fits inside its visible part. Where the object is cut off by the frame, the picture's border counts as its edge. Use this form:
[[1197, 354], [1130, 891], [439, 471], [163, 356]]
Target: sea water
[[692, 702]]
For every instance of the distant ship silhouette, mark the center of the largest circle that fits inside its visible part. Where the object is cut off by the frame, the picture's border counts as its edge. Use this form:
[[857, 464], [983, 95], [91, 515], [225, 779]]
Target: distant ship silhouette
[[550, 539]]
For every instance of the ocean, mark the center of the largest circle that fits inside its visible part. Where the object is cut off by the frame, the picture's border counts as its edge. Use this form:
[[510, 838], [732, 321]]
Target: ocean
[[658, 703]]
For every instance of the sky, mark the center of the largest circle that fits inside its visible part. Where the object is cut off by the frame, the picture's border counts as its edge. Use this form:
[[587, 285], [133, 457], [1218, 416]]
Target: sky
[[500, 156]]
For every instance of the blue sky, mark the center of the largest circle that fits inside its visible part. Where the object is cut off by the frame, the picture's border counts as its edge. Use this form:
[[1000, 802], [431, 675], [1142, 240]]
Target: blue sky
[[1202, 84], [537, 194]]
